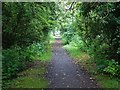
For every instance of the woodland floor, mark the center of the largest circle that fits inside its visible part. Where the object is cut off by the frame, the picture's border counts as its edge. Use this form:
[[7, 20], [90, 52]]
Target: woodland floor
[[64, 73]]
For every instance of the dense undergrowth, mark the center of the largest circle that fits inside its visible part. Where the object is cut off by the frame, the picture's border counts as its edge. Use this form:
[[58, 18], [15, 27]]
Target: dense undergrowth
[[17, 63], [91, 28], [25, 35], [34, 74], [104, 71], [91, 31]]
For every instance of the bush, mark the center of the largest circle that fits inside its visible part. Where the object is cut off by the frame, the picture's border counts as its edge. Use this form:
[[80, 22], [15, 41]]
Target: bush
[[112, 68], [108, 66], [15, 58], [34, 51], [67, 37], [101, 64], [13, 61]]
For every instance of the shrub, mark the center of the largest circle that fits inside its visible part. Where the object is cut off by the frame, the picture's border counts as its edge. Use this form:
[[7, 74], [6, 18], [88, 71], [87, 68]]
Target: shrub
[[35, 50], [110, 67], [13, 61], [67, 37], [101, 64]]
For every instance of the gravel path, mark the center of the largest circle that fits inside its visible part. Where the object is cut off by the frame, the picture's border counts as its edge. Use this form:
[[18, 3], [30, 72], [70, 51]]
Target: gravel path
[[63, 73]]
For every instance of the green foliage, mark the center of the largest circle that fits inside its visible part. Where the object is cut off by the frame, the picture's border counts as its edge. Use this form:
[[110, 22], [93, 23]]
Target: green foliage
[[67, 37], [112, 68], [25, 34], [108, 66], [96, 67], [94, 28], [101, 64], [26, 23], [73, 51], [100, 28], [35, 50], [13, 61], [91, 27]]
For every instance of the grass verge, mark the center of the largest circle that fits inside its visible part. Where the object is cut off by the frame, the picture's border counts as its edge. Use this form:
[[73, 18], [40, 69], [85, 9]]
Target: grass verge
[[34, 76], [31, 78], [87, 62]]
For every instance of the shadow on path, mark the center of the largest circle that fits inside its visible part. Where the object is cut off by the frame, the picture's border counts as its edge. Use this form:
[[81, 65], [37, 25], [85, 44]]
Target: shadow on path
[[63, 73]]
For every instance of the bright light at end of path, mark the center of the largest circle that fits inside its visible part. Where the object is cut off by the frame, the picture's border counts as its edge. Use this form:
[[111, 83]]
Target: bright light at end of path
[[56, 34]]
